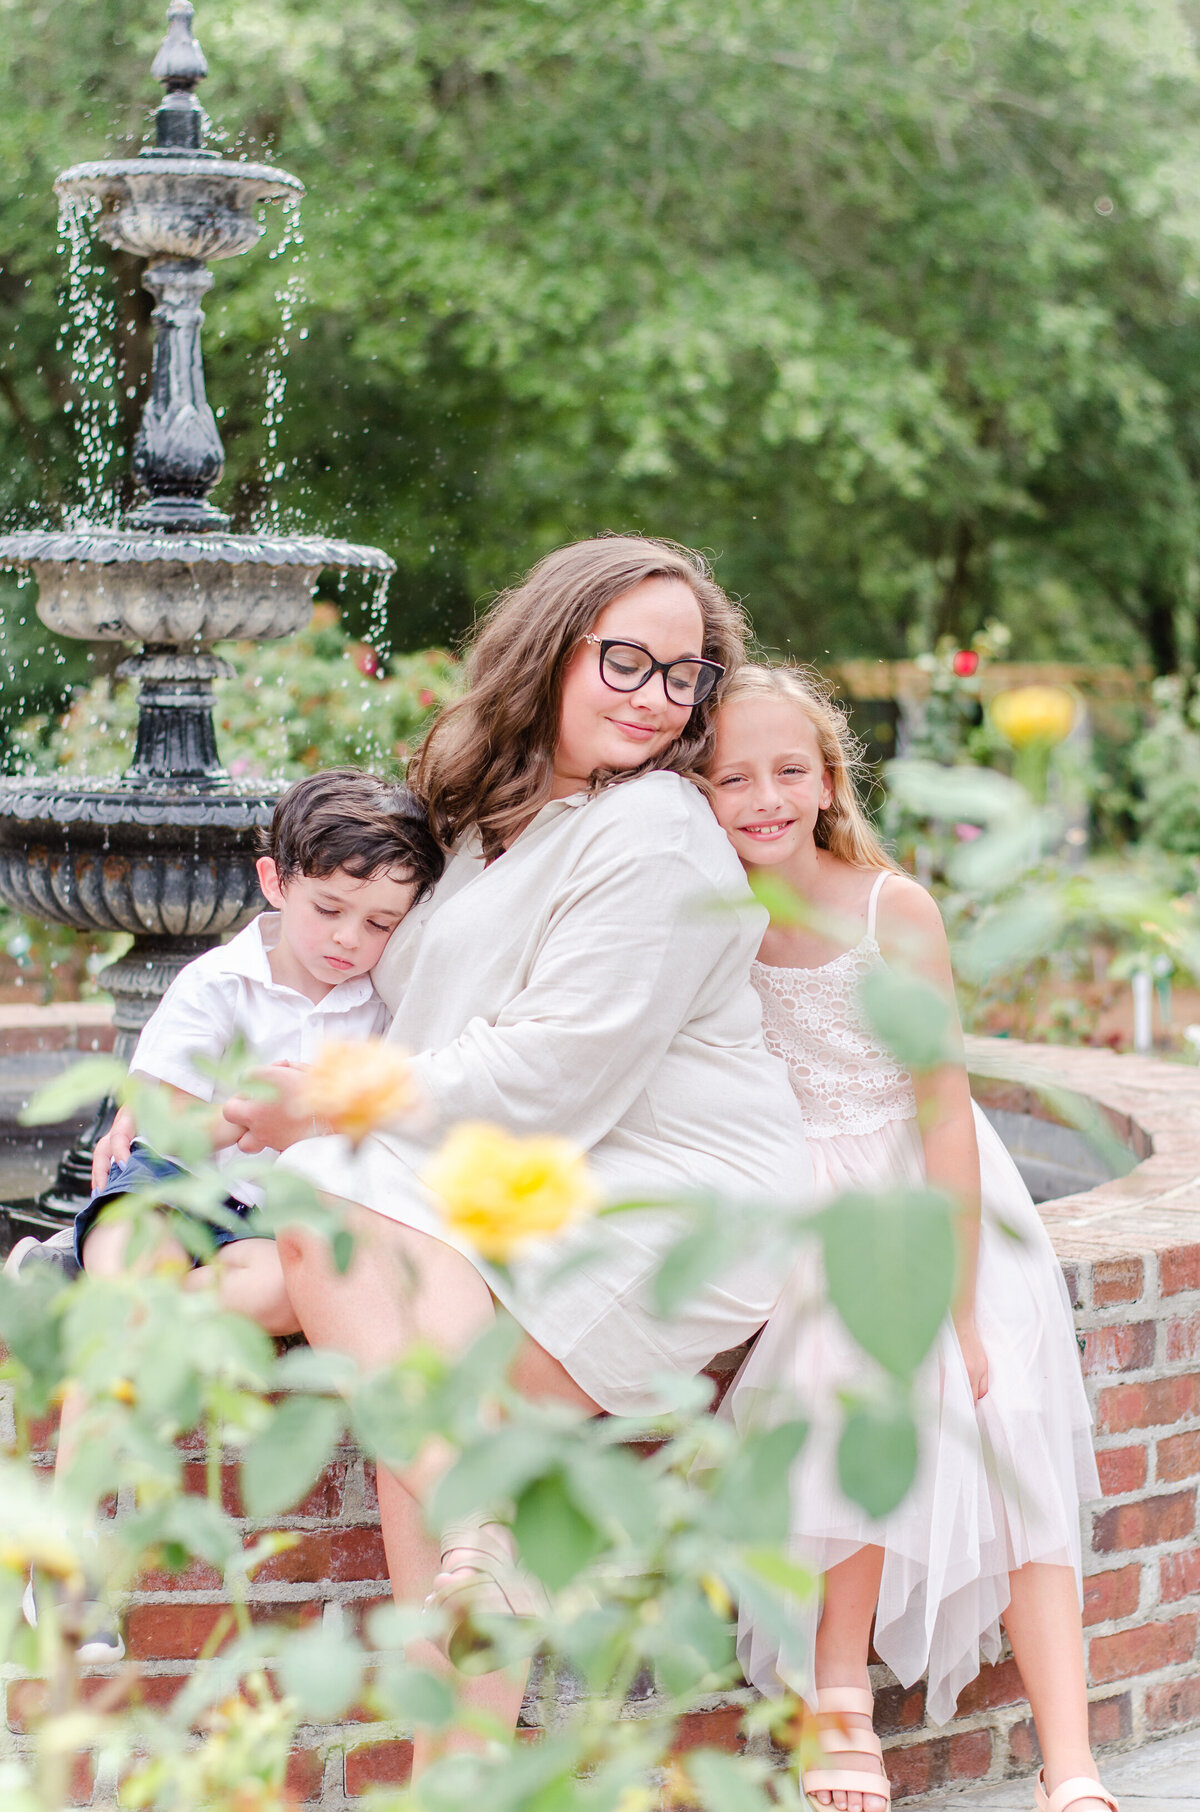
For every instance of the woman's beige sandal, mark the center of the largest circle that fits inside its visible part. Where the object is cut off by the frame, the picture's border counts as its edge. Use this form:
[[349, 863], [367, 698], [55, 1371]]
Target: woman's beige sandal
[[484, 1579], [1077, 1788], [832, 1700]]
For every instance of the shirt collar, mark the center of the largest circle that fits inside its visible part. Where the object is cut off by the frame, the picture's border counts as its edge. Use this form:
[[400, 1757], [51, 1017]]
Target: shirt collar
[[246, 954]]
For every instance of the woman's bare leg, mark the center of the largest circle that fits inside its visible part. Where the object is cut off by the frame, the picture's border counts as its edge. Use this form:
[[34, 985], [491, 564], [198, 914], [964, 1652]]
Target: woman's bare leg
[[840, 1659], [402, 1286], [1045, 1628]]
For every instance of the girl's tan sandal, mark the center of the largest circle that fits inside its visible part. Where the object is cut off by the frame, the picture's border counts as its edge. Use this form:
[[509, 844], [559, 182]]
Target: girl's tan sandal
[[832, 1700], [1077, 1788]]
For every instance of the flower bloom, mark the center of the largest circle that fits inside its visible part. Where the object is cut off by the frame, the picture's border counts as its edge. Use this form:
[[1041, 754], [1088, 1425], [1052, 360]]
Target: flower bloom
[[360, 1085], [965, 663], [1034, 714], [498, 1191]]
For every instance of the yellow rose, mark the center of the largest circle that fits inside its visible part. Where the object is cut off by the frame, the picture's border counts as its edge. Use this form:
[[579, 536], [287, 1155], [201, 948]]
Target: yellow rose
[[498, 1191], [49, 1553], [1033, 714], [355, 1087]]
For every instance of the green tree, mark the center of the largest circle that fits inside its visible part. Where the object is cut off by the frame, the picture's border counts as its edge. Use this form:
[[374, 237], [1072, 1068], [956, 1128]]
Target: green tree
[[894, 309]]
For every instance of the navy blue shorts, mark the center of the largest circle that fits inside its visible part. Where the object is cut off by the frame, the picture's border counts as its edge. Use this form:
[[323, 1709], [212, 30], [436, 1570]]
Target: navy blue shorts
[[139, 1173]]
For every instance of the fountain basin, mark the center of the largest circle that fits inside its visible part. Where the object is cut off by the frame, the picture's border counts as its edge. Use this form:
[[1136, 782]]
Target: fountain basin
[[178, 206], [162, 861], [111, 586]]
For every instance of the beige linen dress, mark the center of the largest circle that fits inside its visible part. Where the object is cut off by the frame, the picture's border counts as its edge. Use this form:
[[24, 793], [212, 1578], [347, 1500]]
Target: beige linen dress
[[594, 981]]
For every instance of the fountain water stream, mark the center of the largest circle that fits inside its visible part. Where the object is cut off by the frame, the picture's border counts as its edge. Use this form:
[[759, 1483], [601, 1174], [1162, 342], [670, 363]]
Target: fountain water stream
[[166, 851]]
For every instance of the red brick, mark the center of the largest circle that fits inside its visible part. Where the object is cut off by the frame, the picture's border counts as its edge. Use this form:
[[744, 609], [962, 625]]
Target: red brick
[[966, 1757], [992, 1686], [1122, 1469], [328, 1496], [1128, 1347], [1144, 1523], [357, 1553], [377, 1765], [709, 1730], [43, 1433], [83, 1780], [1117, 1280], [1177, 1702], [291, 1615], [1110, 1595], [1183, 1338], [1178, 1457], [1024, 1750], [1179, 1270], [1143, 1650], [1110, 1720], [195, 1484], [1179, 1575], [1149, 1405], [307, 1563], [27, 1701], [198, 1576], [1072, 1280], [172, 1632], [304, 1775], [899, 1708]]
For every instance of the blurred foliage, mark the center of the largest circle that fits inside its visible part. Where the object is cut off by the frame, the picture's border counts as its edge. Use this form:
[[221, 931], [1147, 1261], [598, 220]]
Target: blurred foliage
[[642, 1548], [896, 309]]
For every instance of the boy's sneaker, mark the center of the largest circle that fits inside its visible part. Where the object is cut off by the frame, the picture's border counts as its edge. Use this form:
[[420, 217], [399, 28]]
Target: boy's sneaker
[[100, 1643], [57, 1253]]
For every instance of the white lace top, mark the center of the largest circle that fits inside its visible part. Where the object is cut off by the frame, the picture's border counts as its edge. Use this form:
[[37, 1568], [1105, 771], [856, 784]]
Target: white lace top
[[845, 1080]]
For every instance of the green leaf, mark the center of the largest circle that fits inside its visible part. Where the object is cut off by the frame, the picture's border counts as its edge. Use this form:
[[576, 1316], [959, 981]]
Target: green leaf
[[890, 1265], [909, 1014], [284, 1462], [415, 1695], [343, 1250], [724, 1782], [322, 1670], [752, 1499], [782, 1574], [84, 1083], [557, 1540], [877, 1457]]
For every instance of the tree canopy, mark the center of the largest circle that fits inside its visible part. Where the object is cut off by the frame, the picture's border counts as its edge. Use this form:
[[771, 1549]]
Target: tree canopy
[[895, 310]]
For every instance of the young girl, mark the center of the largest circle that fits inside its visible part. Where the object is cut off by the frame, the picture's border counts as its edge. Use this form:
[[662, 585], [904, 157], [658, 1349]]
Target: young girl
[[990, 1530]]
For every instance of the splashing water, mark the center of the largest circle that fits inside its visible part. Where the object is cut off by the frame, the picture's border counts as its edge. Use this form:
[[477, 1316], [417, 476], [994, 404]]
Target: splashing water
[[91, 323], [291, 296], [378, 631]]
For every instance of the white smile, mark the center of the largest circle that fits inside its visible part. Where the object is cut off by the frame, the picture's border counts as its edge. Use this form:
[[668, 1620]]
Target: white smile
[[766, 833]]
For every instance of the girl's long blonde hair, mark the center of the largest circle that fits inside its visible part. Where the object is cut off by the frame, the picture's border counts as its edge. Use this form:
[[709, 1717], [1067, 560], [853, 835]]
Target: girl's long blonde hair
[[842, 826], [487, 763]]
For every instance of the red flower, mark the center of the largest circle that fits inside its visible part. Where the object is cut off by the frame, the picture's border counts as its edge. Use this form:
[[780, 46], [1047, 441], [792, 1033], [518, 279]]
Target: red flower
[[425, 697], [965, 663], [366, 660]]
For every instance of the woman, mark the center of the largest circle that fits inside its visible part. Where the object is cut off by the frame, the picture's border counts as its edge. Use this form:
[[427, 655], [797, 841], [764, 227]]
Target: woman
[[569, 975]]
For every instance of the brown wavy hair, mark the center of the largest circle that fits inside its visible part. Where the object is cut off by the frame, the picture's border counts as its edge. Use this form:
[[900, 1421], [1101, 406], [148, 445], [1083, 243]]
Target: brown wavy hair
[[842, 826], [487, 763]]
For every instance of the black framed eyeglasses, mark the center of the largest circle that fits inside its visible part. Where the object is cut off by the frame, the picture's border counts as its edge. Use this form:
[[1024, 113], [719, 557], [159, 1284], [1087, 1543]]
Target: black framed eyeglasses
[[626, 668]]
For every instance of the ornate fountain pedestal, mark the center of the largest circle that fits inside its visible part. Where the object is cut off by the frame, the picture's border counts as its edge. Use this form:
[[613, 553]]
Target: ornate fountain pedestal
[[167, 851]]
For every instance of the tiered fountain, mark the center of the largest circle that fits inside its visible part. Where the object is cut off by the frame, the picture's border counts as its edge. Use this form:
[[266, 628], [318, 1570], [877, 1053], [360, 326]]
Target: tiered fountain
[[167, 850]]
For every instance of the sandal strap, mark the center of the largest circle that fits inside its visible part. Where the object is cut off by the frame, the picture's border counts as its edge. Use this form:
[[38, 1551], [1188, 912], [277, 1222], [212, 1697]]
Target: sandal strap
[[859, 1699], [846, 1780], [1079, 1787], [851, 1742]]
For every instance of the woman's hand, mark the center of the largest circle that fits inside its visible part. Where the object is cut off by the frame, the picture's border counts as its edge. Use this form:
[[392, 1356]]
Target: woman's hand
[[275, 1121], [113, 1148], [974, 1357]]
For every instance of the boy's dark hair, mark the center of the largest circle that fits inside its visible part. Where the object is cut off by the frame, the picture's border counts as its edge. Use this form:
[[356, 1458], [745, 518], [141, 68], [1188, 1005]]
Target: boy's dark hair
[[345, 818]]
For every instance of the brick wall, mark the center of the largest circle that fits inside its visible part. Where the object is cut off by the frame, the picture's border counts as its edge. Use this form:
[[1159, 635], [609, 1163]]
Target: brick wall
[[1131, 1254]]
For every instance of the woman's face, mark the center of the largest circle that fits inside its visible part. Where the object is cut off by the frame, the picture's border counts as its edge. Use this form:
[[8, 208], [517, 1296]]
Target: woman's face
[[768, 779], [600, 728]]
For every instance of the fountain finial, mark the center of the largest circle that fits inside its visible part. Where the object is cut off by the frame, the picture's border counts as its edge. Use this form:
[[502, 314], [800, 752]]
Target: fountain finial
[[180, 65]]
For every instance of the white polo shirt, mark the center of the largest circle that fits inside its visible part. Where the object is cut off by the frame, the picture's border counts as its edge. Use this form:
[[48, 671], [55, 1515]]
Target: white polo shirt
[[228, 994]]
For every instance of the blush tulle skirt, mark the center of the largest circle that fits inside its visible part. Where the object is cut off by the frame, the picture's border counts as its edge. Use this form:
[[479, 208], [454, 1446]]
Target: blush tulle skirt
[[998, 1484]]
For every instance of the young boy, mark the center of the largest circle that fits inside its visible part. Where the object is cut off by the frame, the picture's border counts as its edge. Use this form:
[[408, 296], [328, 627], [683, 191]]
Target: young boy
[[345, 857]]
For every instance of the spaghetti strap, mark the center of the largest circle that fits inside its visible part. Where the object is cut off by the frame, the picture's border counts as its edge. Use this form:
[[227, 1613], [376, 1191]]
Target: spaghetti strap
[[873, 902]]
